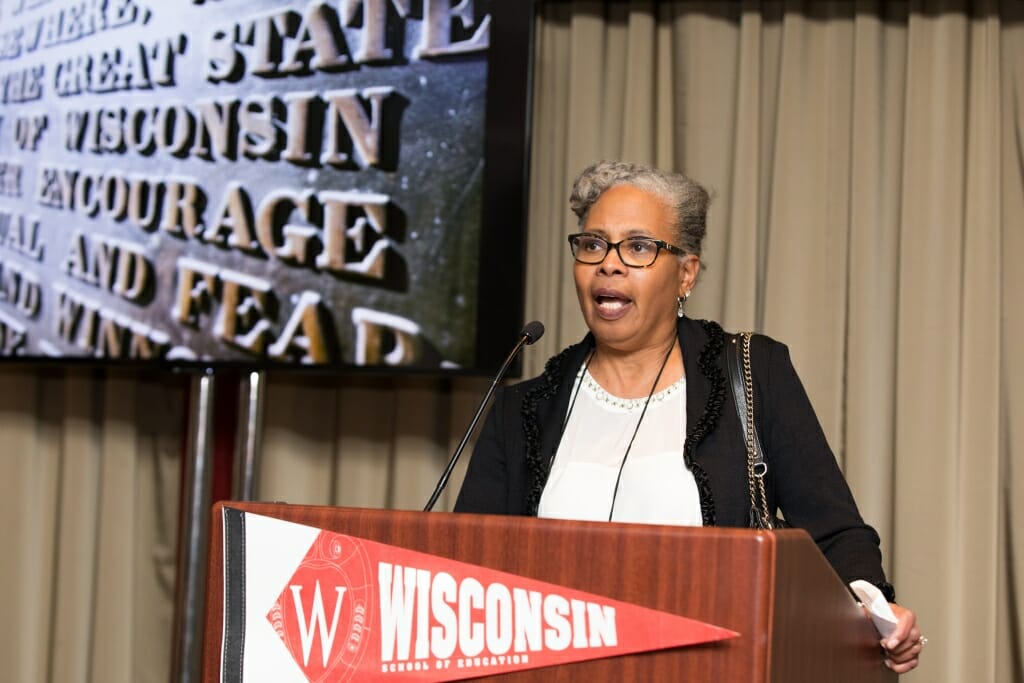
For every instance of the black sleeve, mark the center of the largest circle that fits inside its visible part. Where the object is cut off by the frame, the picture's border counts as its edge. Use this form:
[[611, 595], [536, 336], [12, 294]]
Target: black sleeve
[[486, 486], [810, 489]]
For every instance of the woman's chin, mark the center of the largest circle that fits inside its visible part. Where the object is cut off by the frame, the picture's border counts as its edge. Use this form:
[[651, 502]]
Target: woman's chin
[[612, 333]]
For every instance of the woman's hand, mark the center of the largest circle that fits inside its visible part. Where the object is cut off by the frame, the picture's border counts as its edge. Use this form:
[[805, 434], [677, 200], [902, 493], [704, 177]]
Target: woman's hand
[[904, 644]]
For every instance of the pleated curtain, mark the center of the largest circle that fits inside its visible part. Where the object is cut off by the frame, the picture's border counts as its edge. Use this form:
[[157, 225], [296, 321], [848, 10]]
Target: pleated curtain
[[866, 161]]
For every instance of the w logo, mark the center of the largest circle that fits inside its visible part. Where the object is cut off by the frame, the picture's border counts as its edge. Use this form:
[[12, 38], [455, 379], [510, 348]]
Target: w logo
[[317, 622], [321, 616]]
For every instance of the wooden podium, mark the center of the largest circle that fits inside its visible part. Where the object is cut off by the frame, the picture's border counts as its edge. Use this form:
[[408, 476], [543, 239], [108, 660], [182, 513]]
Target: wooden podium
[[796, 619]]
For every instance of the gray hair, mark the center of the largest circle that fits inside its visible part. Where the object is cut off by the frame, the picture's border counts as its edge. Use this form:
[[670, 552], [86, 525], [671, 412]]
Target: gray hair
[[687, 198]]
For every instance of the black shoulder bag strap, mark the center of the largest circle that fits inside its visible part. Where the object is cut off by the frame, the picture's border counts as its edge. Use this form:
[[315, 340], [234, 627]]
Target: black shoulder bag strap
[[737, 359]]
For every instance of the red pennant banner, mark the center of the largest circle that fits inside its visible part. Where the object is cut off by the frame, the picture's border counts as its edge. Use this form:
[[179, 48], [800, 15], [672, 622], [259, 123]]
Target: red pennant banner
[[358, 610]]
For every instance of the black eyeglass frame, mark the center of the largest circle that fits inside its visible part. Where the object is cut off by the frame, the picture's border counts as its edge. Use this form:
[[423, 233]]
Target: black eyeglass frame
[[660, 244]]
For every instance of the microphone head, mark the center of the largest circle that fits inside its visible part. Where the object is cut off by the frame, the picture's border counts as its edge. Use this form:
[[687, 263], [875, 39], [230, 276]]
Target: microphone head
[[533, 331]]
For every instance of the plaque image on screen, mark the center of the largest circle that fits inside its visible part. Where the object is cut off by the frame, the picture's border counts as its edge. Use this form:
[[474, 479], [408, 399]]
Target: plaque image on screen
[[297, 183]]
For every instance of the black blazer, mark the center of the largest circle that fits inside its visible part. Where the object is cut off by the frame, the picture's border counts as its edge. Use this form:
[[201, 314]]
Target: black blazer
[[512, 457]]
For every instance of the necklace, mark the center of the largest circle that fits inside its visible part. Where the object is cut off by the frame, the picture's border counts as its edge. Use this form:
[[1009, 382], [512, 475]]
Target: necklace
[[622, 465], [632, 405], [636, 430]]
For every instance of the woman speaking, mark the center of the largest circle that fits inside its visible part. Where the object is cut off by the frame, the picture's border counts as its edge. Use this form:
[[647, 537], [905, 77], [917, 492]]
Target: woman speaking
[[638, 422]]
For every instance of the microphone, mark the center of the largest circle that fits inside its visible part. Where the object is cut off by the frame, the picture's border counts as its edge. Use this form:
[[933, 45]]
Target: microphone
[[530, 333]]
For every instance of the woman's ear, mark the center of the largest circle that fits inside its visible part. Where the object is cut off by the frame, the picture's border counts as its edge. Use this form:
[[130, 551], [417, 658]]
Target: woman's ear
[[689, 268]]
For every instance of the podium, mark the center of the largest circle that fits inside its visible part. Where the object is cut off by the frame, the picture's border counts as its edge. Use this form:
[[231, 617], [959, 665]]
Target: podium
[[797, 621]]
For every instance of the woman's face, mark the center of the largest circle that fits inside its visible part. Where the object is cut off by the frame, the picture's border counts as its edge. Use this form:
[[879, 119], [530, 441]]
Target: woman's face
[[630, 309]]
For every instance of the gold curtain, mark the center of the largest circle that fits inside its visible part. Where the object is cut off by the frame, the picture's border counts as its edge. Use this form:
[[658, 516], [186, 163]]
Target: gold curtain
[[867, 170], [89, 484], [867, 166]]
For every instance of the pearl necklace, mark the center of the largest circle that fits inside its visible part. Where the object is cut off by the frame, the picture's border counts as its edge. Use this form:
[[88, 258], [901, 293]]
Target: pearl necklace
[[601, 395]]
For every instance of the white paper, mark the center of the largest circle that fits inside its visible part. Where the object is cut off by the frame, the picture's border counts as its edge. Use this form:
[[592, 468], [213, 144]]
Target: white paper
[[881, 613]]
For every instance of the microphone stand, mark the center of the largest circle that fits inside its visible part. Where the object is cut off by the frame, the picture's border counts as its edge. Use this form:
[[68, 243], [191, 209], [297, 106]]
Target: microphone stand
[[530, 333]]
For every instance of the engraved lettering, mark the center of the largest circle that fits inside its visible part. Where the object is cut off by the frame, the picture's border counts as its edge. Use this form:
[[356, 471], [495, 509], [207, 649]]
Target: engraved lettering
[[232, 226], [176, 202], [304, 338], [244, 307], [436, 36], [351, 239], [385, 338], [359, 246], [13, 336], [67, 24], [20, 288], [103, 333], [112, 265], [10, 178], [342, 128], [242, 320], [364, 132], [319, 39], [277, 236], [22, 85], [20, 234]]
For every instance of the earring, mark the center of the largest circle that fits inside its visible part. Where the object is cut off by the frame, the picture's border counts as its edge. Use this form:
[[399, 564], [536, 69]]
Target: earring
[[682, 303]]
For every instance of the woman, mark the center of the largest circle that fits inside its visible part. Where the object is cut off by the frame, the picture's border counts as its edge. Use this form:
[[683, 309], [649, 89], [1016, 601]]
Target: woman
[[637, 422]]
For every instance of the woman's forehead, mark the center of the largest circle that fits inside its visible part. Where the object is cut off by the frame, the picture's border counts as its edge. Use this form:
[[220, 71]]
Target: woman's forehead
[[624, 211]]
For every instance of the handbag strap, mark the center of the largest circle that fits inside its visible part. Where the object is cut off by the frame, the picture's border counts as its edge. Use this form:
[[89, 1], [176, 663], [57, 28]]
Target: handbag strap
[[743, 386]]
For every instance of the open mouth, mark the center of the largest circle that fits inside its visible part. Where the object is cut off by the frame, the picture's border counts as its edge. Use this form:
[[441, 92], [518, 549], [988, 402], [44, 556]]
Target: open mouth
[[611, 304]]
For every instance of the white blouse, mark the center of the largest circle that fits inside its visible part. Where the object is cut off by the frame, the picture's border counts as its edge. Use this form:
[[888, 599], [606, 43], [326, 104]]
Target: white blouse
[[655, 487]]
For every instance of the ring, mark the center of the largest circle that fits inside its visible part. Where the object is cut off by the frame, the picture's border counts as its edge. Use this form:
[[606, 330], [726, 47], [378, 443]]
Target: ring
[[922, 641]]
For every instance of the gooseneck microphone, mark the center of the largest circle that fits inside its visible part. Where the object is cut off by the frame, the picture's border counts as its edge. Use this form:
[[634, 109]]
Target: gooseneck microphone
[[530, 333]]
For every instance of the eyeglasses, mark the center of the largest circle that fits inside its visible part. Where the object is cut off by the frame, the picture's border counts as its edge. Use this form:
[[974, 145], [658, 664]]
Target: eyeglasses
[[639, 252]]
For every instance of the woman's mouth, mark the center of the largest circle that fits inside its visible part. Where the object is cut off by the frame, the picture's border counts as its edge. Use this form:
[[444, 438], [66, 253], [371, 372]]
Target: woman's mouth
[[611, 305]]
